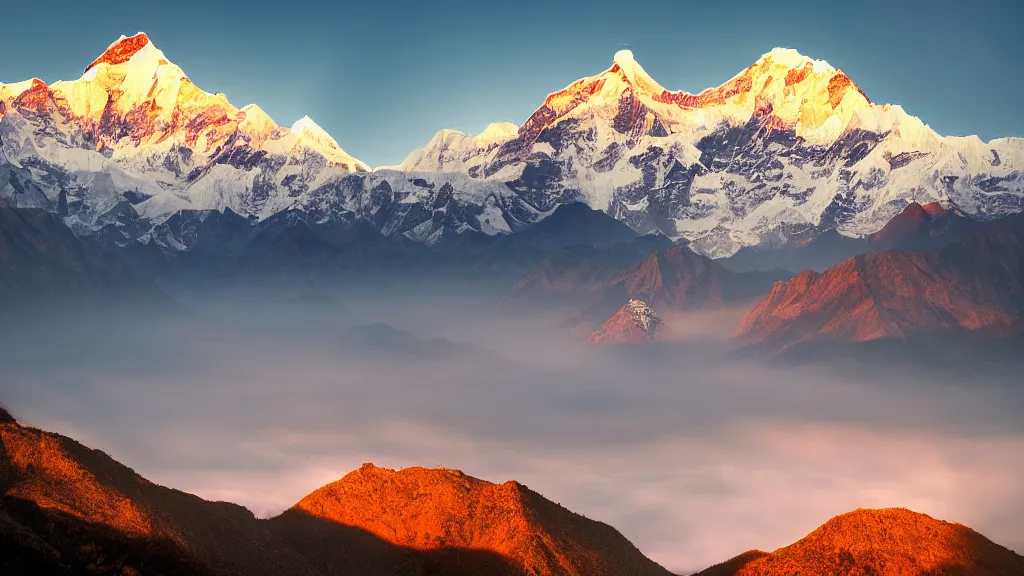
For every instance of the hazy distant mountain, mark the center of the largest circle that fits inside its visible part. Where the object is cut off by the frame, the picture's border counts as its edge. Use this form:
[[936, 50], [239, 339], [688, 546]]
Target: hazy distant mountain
[[574, 224], [787, 150], [887, 542], [575, 270], [386, 339], [67, 509], [917, 228], [597, 283], [971, 287], [41, 258]]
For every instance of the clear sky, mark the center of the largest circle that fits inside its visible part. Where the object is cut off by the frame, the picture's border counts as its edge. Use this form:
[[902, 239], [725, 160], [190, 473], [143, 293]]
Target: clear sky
[[383, 77]]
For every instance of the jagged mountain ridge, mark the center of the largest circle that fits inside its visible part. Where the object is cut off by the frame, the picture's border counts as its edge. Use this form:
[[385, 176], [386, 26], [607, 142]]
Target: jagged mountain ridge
[[133, 142], [788, 147]]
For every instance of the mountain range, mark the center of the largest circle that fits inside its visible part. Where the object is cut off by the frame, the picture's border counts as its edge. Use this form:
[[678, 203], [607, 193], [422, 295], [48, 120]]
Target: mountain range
[[786, 150], [69, 509]]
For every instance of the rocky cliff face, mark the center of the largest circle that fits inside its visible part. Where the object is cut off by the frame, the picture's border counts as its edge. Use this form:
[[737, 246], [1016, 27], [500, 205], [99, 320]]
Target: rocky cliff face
[[133, 142]]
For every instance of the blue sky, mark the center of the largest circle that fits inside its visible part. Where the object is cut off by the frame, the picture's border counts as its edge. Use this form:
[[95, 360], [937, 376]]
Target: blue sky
[[383, 77]]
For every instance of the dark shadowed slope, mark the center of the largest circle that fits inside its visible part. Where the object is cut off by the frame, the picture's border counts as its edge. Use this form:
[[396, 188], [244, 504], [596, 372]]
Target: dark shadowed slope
[[917, 228], [571, 225], [67, 509], [675, 278], [887, 542], [77, 507], [40, 257], [975, 287]]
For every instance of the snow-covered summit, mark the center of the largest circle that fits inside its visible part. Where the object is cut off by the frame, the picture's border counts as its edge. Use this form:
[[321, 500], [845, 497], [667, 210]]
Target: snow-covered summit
[[786, 147], [134, 121], [791, 58]]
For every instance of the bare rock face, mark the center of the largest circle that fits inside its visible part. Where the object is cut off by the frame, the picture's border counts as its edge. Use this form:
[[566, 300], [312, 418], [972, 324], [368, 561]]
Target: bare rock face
[[635, 322]]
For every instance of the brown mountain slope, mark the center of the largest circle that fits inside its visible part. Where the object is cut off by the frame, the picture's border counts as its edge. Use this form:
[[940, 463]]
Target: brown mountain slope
[[67, 509], [433, 510], [887, 542], [975, 286], [675, 278]]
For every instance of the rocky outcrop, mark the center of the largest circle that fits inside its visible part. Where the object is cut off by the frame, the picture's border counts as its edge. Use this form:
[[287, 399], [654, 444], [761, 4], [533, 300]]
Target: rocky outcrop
[[634, 323]]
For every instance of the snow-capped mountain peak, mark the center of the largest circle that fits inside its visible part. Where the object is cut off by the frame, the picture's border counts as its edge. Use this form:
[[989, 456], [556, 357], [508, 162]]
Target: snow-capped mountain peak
[[307, 128], [135, 123], [633, 73], [791, 58], [787, 145]]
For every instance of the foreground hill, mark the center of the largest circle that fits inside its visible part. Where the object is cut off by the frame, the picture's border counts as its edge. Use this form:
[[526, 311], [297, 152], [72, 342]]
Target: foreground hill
[[888, 542], [68, 509], [973, 287], [439, 510]]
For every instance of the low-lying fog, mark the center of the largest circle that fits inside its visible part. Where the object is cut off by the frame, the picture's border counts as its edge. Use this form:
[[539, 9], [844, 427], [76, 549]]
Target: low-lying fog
[[259, 399]]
